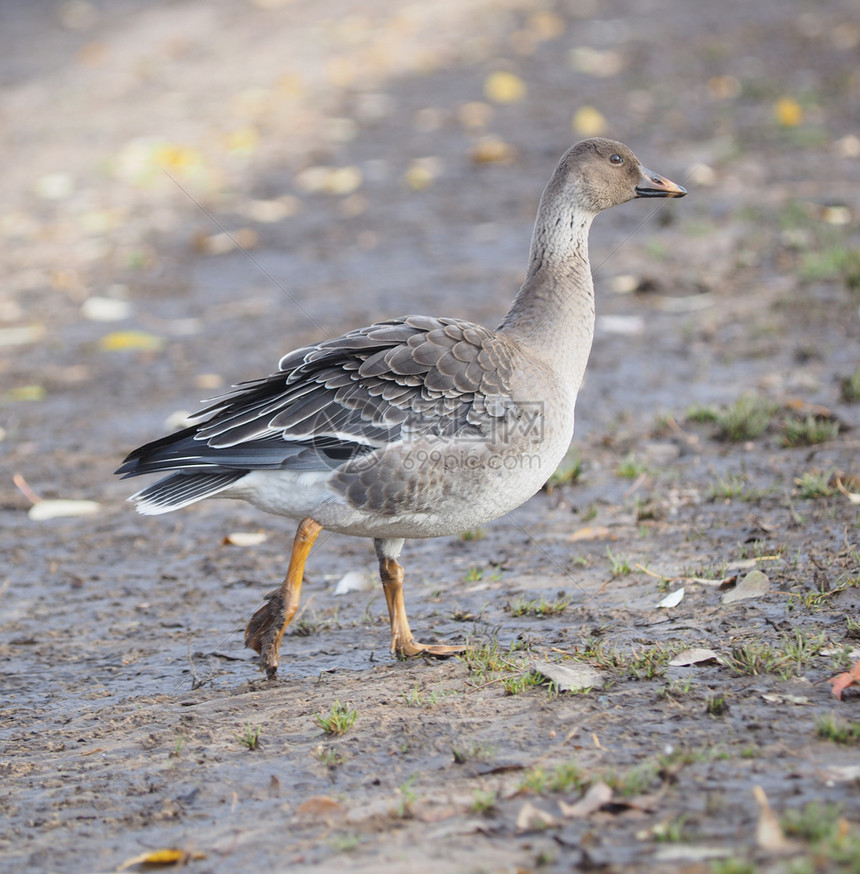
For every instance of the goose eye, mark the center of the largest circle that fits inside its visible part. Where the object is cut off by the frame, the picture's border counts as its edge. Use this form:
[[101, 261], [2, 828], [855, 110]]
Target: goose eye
[[616, 159]]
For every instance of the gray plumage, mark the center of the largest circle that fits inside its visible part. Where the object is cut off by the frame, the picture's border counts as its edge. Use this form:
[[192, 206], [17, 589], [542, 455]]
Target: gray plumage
[[416, 426]]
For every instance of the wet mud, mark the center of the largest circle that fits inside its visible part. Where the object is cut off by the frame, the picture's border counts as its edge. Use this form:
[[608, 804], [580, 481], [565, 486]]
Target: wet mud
[[132, 719]]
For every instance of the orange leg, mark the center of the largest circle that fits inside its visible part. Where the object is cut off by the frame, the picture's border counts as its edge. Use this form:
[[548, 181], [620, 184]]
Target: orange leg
[[266, 627], [402, 642]]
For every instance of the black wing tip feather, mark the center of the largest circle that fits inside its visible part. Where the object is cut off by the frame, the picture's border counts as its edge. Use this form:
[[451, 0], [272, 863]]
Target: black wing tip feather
[[139, 460], [181, 489]]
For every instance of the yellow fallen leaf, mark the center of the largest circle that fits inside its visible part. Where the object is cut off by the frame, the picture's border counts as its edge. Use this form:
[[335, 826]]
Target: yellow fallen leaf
[[152, 162], [266, 211], [502, 87], [492, 150], [243, 141], [25, 393], [177, 158], [421, 173], [167, 856], [118, 341], [788, 112], [329, 180], [588, 122], [595, 532]]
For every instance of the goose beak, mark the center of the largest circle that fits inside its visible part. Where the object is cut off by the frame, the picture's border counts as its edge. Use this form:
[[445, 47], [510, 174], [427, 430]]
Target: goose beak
[[653, 185]]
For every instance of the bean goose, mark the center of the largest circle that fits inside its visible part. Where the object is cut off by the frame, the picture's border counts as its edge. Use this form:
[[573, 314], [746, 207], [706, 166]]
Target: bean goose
[[412, 427]]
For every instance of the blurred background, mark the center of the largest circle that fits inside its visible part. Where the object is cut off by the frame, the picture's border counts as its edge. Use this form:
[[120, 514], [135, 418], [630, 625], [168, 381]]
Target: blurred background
[[193, 188]]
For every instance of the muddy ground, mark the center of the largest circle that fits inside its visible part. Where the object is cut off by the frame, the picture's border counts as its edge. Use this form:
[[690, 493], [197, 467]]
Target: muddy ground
[[344, 145]]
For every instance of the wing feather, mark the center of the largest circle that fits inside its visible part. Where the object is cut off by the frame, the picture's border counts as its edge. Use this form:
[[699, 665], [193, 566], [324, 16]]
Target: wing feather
[[345, 396]]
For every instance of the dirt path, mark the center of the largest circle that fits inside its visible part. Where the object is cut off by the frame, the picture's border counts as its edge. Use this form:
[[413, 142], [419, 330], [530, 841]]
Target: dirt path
[[358, 157]]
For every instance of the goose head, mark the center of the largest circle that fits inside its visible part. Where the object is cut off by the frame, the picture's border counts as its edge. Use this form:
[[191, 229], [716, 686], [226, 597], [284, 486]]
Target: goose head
[[599, 173]]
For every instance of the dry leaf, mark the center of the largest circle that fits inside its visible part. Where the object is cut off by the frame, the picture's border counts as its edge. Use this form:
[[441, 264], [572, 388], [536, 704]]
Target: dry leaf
[[492, 150], [842, 681], [774, 698], [44, 510], [25, 393], [842, 773], [598, 794], [625, 283], [502, 87], [245, 538], [21, 335], [623, 326], [588, 122], [242, 142], [853, 497], [321, 807], [226, 241], [475, 115], [848, 146], [850, 656], [421, 172], [353, 581], [330, 180], [167, 856], [267, 211], [645, 803], [569, 678], [595, 62], [724, 87], [788, 112], [105, 309], [690, 853], [673, 599], [769, 834], [693, 657], [805, 408], [547, 25], [531, 817], [54, 186], [596, 532], [121, 340], [596, 741], [753, 585]]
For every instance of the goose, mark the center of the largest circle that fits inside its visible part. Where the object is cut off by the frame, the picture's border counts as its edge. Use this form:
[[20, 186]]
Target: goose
[[412, 427]]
